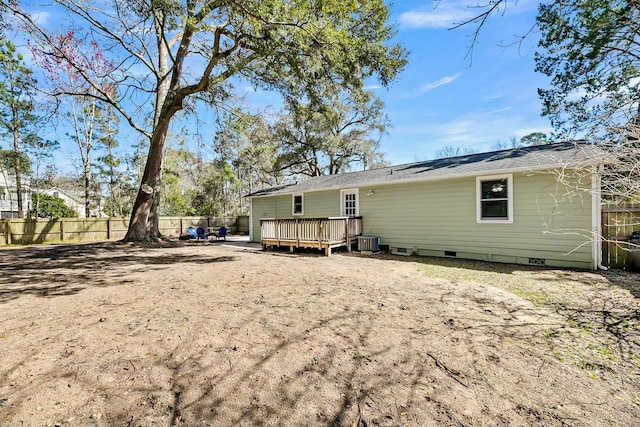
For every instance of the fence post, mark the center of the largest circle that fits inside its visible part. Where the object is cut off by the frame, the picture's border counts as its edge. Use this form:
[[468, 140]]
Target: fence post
[[62, 229]]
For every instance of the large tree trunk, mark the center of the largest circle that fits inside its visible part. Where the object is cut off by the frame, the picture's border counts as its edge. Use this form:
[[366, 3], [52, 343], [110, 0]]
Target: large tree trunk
[[140, 226], [154, 222], [153, 227]]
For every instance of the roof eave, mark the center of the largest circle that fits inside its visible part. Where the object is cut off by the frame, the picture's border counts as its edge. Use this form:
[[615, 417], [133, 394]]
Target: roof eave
[[538, 168]]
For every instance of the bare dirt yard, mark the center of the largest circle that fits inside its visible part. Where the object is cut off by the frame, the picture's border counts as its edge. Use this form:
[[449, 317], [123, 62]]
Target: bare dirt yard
[[221, 334]]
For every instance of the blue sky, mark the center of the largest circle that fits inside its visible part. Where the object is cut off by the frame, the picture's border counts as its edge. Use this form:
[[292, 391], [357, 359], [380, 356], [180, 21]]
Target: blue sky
[[444, 97]]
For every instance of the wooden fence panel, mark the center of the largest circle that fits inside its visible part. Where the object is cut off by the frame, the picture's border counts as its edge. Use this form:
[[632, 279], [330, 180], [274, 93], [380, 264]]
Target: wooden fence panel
[[618, 223], [24, 232], [85, 229], [4, 233], [118, 228], [243, 224], [29, 231]]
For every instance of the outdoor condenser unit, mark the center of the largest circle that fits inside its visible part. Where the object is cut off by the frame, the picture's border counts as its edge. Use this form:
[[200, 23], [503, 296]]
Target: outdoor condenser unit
[[368, 243]]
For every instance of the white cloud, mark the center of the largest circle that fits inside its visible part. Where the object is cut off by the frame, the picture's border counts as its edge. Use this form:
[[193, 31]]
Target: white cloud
[[442, 16], [372, 87], [458, 127], [433, 85], [501, 110], [41, 17]]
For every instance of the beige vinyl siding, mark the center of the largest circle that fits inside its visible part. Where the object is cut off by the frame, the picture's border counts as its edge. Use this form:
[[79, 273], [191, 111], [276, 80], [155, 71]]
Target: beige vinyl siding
[[321, 204], [317, 204], [430, 218]]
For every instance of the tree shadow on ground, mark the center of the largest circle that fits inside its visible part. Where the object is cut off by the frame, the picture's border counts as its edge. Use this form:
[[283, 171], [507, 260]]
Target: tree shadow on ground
[[57, 270], [330, 352]]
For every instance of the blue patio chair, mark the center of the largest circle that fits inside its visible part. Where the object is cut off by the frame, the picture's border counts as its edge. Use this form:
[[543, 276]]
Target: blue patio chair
[[222, 233], [192, 232], [201, 234]]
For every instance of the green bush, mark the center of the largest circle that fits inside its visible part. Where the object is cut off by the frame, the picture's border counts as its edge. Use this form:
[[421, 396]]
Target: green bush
[[50, 207]]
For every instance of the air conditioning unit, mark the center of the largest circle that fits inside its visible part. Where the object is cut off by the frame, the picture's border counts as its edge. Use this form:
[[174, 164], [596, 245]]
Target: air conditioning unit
[[369, 243]]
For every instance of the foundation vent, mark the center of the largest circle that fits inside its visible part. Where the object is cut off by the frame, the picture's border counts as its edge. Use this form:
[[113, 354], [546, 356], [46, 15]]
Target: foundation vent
[[537, 261]]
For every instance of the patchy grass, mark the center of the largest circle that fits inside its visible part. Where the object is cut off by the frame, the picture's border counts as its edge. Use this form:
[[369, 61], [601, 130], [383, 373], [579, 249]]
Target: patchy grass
[[599, 309]]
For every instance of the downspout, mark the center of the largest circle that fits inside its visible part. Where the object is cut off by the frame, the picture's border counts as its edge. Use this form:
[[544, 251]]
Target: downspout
[[596, 198], [251, 219]]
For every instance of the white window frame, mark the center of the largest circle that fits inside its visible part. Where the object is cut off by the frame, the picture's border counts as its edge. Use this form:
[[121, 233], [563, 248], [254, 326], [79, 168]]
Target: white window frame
[[343, 193], [479, 181], [293, 204]]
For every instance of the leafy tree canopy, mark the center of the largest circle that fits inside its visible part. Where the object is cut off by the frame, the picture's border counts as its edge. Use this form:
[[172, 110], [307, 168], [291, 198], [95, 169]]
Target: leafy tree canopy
[[591, 51], [9, 159], [535, 138], [329, 136]]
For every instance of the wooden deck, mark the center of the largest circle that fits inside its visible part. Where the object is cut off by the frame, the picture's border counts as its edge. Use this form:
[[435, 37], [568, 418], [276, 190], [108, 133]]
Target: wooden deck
[[321, 233]]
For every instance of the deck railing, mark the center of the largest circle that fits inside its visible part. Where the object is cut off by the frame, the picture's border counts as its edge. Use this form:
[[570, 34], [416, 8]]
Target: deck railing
[[310, 232]]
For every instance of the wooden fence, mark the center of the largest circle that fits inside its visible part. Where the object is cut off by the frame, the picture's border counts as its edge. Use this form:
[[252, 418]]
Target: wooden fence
[[617, 225], [29, 231]]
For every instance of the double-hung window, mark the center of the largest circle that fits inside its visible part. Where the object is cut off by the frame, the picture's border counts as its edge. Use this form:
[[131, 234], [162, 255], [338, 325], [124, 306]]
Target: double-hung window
[[298, 204], [494, 199]]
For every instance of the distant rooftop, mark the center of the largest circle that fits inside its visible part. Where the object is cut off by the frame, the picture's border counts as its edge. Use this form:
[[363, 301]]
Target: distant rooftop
[[539, 157]]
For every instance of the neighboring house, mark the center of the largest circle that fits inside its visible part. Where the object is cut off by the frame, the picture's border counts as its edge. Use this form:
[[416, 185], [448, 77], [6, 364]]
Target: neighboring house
[[535, 205], [9, 196], [75, 200]]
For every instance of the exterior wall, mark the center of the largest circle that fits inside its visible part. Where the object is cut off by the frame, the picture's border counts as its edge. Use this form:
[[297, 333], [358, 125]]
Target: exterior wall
[[9, 196], [550, 223], [433, 217]]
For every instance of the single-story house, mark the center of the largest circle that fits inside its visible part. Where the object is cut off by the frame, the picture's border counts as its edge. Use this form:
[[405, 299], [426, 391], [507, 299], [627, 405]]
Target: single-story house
[[534, 205], [75, 200]]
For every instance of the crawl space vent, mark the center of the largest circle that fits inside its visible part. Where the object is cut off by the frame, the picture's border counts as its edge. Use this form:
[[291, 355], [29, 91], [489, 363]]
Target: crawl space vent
[[537, 261]]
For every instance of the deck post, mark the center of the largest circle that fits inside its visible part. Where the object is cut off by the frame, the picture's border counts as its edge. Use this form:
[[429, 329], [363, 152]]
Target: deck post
[[347, 237]]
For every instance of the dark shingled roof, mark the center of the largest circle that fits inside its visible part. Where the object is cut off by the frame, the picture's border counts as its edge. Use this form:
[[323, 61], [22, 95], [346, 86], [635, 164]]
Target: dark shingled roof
[[538, 157]]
